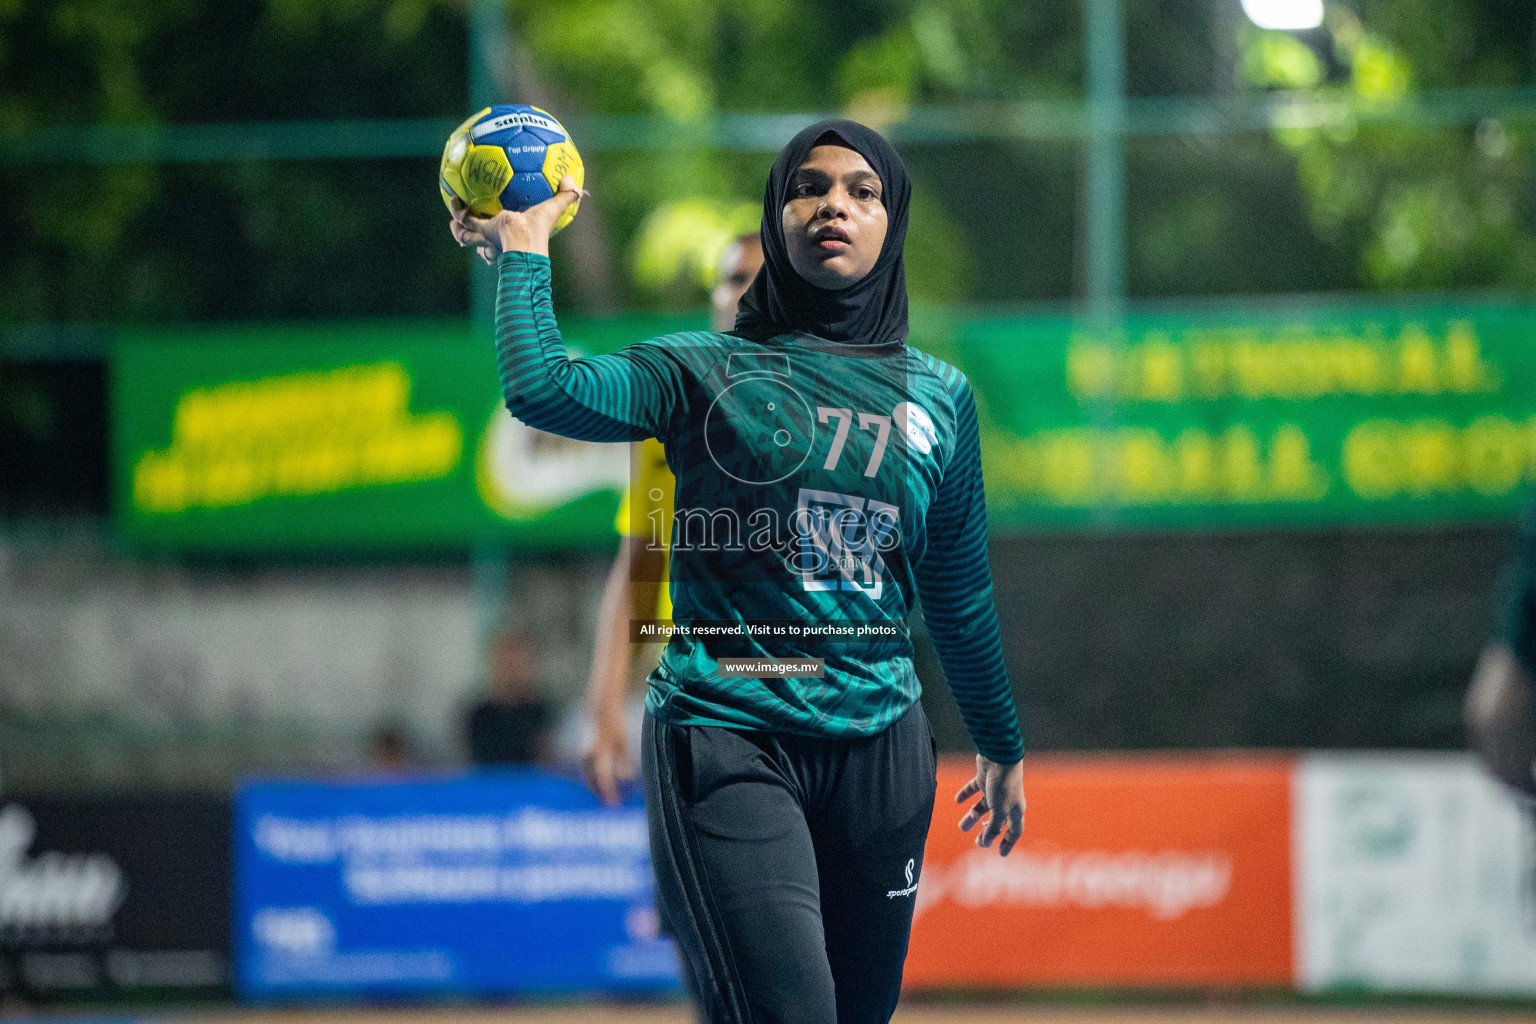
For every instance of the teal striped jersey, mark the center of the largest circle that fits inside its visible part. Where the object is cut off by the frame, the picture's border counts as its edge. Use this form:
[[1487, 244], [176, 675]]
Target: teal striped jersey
[[817, 483]]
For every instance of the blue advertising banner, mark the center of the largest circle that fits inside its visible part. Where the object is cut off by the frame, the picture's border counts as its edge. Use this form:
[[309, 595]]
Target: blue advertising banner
[[504, 882]]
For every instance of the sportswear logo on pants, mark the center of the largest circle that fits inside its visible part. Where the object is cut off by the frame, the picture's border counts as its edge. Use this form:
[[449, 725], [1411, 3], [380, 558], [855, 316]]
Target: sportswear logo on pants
[[911, 885]]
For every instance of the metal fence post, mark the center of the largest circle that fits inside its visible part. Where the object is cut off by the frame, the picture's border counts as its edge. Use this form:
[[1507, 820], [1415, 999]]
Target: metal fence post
[[1104, 199], [487, 86], [487, 38], [1104, 196]]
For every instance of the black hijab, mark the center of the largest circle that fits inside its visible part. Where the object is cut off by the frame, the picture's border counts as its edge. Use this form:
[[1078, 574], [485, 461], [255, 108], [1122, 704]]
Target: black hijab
[[873, 310]]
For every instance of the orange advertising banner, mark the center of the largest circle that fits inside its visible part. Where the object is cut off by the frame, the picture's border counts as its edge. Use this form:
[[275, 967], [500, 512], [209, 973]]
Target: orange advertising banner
[[1149, 870]]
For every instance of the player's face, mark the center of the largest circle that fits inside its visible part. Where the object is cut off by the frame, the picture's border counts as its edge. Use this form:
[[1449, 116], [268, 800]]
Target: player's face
[[741, 263], [834, 222]]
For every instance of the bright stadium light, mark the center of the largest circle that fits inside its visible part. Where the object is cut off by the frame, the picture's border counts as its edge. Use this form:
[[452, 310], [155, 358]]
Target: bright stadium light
[[1285, 15]]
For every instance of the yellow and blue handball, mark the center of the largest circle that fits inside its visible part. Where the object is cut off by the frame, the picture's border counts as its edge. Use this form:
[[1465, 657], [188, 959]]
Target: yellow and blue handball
[[509, 157]]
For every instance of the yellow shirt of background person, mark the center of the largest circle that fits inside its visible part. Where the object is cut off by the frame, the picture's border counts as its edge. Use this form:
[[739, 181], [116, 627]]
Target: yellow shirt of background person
[[645, 514], [639, 565]]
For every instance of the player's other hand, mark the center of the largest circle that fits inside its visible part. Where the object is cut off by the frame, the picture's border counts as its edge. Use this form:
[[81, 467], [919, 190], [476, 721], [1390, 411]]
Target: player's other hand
[[511, 230], [607, 762], [1001, 787]]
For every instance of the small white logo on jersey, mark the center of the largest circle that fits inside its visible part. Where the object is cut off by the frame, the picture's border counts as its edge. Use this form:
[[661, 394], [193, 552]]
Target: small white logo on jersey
[[911, 885], [916, 427]]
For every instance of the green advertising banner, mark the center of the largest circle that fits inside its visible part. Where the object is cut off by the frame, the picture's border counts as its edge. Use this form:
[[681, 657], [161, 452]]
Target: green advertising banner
[[394, 436], [354, 437], [1256, 418]]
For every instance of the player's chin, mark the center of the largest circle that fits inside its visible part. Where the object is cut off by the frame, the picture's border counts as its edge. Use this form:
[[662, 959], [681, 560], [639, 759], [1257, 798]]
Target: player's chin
[[834, 273]]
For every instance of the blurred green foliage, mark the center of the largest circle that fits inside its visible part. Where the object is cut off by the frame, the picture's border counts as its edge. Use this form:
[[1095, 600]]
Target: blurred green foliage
[[1326, 205], [1418, 207]]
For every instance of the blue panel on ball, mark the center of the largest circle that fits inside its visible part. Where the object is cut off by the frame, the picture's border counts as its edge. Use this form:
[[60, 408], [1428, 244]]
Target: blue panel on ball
[[526, 153], [525, 190], [545, 135], [501, 138]]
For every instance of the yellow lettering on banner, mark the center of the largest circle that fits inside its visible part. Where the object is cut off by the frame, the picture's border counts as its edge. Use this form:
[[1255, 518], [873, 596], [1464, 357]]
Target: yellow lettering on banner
[[1145, 472], [391, 459], [1430, 465], [288, 472], [1137, 466], [1257, 370], [1467, 370], [1091, 370], [441, 442], [295, 435], [228, 482], [1195, 457], [1066, 467], [1327, 369], [1292, 364], [1208, 366], [1302, 374], [1357, 367], [1369, 460], [317, 467], [1492, 456], [1379, 460], [195, 419], [1162, 370], [1530, 447], [1417, 373], [357, 397], [1494, 450], [1244, 477], [1008, 462], [1293, 474], [159, 484]]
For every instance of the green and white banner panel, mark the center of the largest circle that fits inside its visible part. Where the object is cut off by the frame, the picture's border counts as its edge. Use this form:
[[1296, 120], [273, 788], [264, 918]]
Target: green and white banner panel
[[1413, 873]]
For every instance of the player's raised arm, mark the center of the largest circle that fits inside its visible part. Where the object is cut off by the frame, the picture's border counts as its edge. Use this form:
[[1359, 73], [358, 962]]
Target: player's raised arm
[[627, 396], [954, 583]]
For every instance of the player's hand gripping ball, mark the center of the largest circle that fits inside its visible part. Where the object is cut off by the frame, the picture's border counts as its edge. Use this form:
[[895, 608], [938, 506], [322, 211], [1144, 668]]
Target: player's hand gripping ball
[[508, 157]]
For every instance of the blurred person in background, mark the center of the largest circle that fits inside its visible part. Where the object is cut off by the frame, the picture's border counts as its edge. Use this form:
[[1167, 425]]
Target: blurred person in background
[[1500, 710], [638, 586], [513, 724], [389, 750]]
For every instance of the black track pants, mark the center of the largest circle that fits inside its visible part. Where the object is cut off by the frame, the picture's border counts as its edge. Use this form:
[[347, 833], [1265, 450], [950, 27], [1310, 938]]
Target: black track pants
[[787, 865]]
